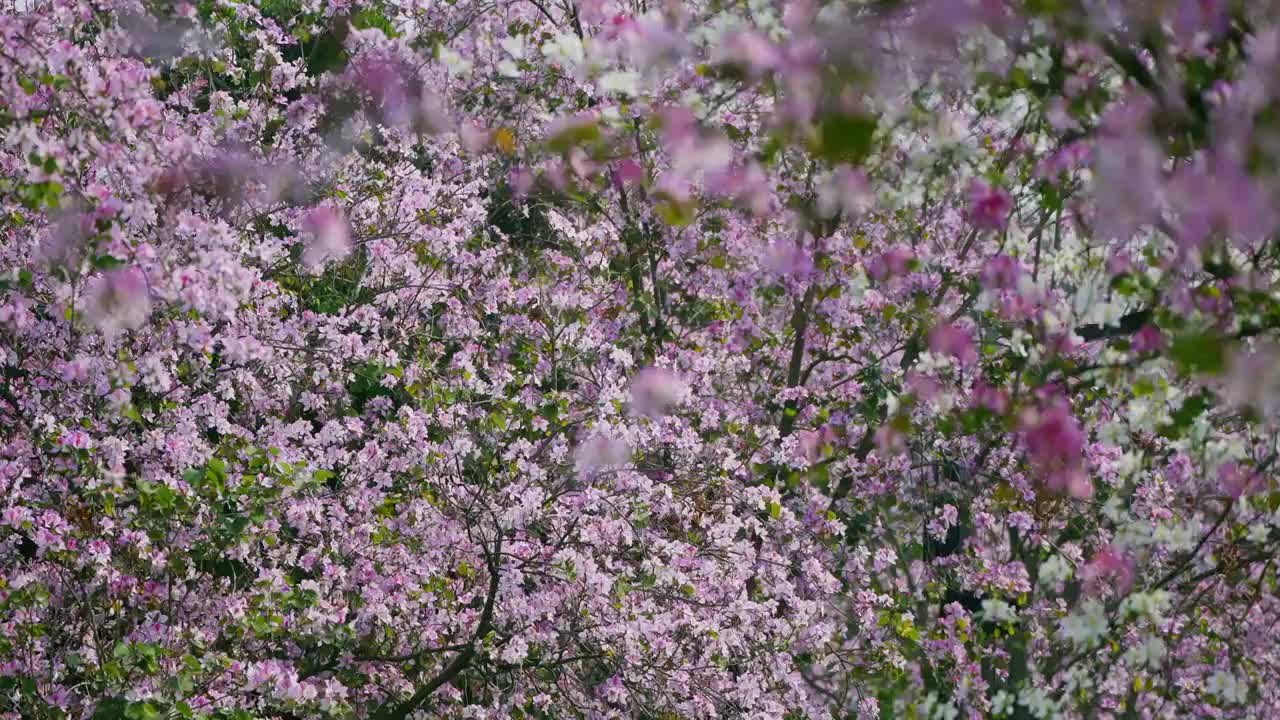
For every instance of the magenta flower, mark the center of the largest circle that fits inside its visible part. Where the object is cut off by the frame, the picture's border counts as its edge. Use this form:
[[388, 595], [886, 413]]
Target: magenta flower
[[953, 340], [890, 264], [1055, 445], [628, 171], [1109, 565], [1147, 339], [990, 398], [989, 206], [1000, 272]]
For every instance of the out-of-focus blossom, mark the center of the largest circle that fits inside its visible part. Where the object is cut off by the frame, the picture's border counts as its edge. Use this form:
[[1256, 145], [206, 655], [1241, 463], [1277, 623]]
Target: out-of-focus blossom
[[1217, 195], [1253, 379], [990, 398], [953, 340], [521, 181], [786, 259], [1128, 171], [329, 237], [1110, 567], [1234, 480], [473, 137], [891, 263], [810, 443], [1055, 445], [1000, 272], [66, 240], [1192, 17], [845, 191], [118, 300], [1147, 339], [602, 452], [654, 391], [751, 51], [989, 206], [629, 171]]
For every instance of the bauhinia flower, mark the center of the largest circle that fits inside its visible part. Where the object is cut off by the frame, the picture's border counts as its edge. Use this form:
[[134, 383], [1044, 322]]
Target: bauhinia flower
[[654, 391], [989, 206], [118, 300], [328, 237]]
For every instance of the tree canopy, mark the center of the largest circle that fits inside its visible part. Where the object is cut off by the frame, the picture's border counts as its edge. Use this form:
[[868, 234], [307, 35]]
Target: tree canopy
[[639, 359]]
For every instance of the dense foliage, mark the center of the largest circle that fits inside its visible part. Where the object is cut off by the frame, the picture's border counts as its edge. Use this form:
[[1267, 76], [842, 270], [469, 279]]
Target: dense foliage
[[617, 358]]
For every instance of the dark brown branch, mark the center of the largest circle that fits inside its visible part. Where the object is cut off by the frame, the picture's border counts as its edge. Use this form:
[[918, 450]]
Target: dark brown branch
[[463, 659]]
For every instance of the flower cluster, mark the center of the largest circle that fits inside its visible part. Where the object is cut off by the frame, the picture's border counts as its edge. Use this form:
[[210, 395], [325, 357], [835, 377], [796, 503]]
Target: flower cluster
[[613, 359]]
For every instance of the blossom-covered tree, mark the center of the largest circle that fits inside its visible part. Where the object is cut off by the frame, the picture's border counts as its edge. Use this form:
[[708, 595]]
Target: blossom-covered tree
[[607, 358]]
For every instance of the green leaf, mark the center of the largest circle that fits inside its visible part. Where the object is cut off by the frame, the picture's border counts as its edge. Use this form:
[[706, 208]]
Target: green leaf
[[110, 709], [845, 138], [675, 213], [1199, 353], [1182, 418]]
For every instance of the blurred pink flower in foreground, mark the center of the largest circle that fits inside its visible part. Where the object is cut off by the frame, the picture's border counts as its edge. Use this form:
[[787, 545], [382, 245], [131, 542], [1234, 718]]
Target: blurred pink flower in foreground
[[1235, 481], [1055, 446], [890, 264], [601, 452], [1147, 339], [786, 259], [655, 391], [330, 238], [1253, 379], [989, 206], [118, 300], [1109, 565], [953, 340]]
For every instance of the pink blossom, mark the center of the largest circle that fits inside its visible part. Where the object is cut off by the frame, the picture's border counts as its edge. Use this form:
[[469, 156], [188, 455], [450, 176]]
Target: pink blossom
[[989, 206], [786, 259], [990, 398], [1000, 272], [1147, 339], [654, 391], [847, 191], [890, 264], [118, 300], [1055, 445], [953, 340], [521, 181], [753, 51], [1109, 565], [66, 240], [602, 452], [811, 442], [329, 237], [628, 171], [473, 137], [1235, 481]]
